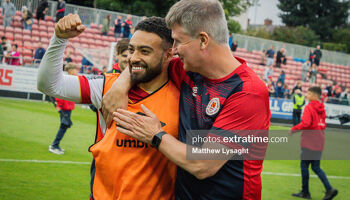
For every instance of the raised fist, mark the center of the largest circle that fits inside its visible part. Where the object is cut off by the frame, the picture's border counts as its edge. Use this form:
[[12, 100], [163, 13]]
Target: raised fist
[[69, 27]]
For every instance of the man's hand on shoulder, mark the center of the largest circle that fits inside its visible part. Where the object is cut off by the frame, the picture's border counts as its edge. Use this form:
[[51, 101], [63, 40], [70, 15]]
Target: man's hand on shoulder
[[69, 26]]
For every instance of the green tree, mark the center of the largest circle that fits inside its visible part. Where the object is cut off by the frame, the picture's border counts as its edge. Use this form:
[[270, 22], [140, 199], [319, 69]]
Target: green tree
[[319, 15], [342, 36], [297, 35]]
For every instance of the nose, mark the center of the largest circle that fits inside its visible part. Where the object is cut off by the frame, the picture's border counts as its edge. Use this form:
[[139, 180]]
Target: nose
[[134, 57], [174, 49]]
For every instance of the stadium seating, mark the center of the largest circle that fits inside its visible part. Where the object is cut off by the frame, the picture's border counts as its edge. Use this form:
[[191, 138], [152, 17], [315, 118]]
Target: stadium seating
[[92, 38]]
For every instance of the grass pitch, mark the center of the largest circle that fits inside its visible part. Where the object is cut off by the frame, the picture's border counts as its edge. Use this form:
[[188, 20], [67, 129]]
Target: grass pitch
[[28, 128]]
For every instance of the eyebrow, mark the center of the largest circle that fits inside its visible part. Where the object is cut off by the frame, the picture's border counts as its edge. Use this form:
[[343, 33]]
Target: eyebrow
[[142, 47]]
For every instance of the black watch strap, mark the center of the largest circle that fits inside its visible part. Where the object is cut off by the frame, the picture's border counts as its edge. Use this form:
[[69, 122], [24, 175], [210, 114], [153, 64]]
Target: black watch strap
[[157, 138]]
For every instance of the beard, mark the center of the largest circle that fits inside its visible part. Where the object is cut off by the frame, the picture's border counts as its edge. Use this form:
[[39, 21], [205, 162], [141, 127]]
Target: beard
[[150, 72]]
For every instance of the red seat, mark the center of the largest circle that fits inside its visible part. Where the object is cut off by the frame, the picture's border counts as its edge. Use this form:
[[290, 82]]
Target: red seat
[[18, 36], [9, 35], [42, 28], [43, 35], [27, 38], [48, 18], [28, 52], [26, 32], [35, 33], [44, 40], [35, 27], [42, 23]]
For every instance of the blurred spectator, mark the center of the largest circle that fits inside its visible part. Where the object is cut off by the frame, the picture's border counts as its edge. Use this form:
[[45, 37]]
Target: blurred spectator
[[279, 90], [121, 51], [324, 96], [304, 69], [329, 88], [67, 59], [270, 56], [313, 73], [118, 27], [1, 52], [344, 97], [104, 70], [61, 7], [318, 55], [85, 66], [263, 58], [127, 25], [286, 91], [13, 57], [270, 87], [234, 46], [106, 24], [42, 9], [27, 18], [39, 53], [8, 11], [282, 77], [230, 40], [6, 44], [95, 71], [336, 94], [280, 58], [297, 87], [299, 102], [65, 109], [311, 57], [268, 72]]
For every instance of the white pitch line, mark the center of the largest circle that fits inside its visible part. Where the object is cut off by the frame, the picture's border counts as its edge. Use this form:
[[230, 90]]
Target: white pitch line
[[298, 175], [46, 161], [89, 163]]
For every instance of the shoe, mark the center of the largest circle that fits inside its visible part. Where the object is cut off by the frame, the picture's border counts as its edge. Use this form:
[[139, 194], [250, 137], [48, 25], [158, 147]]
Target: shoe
[[55, 150], [60, 149], [330, 194], [302, 195]]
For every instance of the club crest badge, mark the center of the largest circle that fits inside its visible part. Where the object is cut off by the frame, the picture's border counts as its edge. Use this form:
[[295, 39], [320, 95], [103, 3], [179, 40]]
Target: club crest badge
[[194, 91], [213, 106]]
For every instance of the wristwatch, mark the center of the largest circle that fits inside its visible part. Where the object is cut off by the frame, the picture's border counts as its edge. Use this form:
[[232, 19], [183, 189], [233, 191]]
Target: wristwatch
[[157, 138]]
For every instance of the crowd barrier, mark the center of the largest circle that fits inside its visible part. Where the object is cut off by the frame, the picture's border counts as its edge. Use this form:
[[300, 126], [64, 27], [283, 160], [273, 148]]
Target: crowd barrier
[[283, 109], [24, 79]]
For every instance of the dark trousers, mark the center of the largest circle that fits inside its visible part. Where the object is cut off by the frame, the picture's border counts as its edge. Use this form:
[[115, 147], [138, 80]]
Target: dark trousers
[[296, 116], [315, 166], [65, 124]]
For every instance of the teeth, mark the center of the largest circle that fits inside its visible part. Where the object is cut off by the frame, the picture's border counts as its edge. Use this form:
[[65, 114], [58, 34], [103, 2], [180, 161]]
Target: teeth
[[137, 68]]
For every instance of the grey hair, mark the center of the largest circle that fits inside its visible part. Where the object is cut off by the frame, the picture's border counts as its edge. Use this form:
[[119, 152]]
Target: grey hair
[[200, 15]]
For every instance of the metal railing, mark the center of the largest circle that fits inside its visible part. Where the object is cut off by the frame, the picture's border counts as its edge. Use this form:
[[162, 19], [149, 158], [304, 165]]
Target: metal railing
[[87, 15], [294, 50]]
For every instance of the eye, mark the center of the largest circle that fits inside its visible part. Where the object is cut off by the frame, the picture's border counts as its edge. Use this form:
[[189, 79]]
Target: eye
[[131, 50], [145, 52]]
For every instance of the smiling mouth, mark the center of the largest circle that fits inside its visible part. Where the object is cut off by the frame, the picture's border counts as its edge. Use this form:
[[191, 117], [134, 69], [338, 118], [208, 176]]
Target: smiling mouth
[[137, 69]]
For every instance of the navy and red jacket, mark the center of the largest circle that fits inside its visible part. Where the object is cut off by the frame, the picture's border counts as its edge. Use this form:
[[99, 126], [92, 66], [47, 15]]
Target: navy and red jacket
[[312, 125], [64, 104], [239, 101]]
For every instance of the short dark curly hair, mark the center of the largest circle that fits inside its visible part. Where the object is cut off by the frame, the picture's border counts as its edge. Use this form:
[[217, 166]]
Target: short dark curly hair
[[157, 26]]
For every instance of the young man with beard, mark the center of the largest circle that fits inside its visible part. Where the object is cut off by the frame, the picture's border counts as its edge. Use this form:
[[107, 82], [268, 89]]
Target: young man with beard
[[123, 168], [218, 92]]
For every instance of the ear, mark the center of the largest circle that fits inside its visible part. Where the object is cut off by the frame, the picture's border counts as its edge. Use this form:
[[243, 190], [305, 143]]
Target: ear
[[204, 40], [168, 54]]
